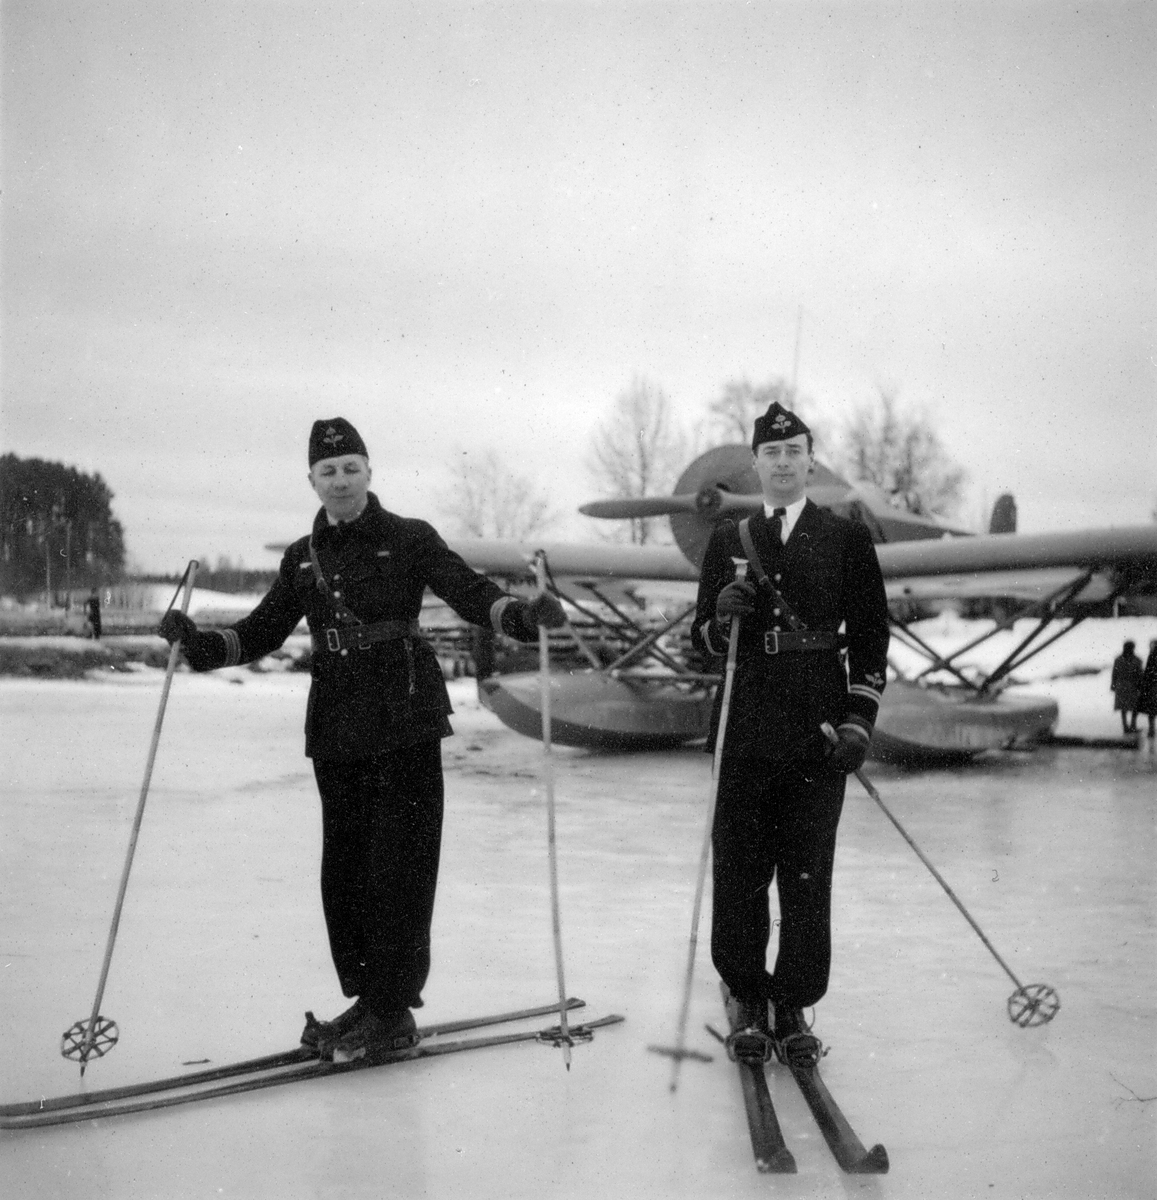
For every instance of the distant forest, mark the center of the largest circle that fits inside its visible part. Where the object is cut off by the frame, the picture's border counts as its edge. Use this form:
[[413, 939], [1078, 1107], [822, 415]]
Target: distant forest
[[223, 578], [57, 529], [58, 535]]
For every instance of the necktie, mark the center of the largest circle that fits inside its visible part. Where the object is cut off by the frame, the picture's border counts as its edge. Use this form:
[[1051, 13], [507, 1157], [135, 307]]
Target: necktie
[[777, 517]]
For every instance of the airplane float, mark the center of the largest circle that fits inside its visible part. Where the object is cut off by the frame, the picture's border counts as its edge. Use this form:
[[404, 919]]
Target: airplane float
[[650, 696]]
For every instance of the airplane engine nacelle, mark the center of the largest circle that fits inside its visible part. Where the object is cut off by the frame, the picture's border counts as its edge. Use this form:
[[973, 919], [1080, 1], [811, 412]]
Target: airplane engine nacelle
[[722, 471], [724, 483]]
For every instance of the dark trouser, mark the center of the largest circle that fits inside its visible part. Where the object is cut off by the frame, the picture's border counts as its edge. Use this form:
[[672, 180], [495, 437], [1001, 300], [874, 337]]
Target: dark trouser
[[381, 837], [776, 821]]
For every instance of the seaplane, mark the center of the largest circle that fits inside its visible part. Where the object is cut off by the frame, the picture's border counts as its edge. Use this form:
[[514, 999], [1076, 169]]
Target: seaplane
[[649, 693]]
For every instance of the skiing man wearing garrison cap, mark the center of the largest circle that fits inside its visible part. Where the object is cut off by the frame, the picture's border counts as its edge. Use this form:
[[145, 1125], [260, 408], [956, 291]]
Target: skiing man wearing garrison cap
[[781, 783], [377, 712]]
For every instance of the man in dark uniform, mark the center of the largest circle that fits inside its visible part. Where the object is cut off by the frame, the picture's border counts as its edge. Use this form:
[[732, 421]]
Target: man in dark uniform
[[377, 710], [781, 783]]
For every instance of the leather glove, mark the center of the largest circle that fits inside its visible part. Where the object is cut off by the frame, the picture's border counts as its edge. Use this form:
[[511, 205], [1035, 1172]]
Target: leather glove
[[545, 610], [848, 752], [736, 600], [175, 626]]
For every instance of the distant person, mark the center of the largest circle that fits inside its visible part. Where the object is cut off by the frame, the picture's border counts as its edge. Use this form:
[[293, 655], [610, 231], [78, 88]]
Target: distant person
[[92, 608], [781, 784], [1126, 686], [377, 712], [1147, 693]]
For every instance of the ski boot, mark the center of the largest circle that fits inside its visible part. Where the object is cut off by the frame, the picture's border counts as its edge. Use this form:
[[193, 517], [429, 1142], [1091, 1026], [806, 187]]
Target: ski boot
[[375, 1037], [795, 1045], [317, 1034], [750, 1038]]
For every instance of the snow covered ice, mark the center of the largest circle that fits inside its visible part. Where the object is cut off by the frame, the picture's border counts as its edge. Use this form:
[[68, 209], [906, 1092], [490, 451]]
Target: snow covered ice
[[222, 947]]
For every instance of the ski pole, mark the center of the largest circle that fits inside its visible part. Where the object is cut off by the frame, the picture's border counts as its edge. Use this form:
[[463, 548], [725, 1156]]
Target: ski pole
[[1034, 1004], [98, 1035], [679, 1051], [564, 1039]]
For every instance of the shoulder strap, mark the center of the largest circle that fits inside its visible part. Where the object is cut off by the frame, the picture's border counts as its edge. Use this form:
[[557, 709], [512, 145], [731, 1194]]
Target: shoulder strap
[[751, 552], [344, 614], [776, 595]]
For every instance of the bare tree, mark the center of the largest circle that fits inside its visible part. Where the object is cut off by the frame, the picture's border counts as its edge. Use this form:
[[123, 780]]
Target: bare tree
[[488, 500], [733, 413], [638, 451], [900, 453]]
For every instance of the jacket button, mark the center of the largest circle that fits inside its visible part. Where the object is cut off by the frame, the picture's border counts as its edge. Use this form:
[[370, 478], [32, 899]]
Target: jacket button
[[337, 595], [345, 654], [777, 578]]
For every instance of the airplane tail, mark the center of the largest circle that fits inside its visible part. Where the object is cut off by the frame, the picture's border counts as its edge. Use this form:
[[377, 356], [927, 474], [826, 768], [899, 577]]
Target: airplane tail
[[1003, 514]]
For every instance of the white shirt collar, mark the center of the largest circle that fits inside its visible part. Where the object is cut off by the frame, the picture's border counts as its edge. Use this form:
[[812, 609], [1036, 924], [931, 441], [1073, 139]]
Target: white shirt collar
[[791, 515]]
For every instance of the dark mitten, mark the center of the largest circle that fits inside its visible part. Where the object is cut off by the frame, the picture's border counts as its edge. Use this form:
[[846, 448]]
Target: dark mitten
[[737, 599], [848, 752], [546, 610], [522, 618], [196, 646]]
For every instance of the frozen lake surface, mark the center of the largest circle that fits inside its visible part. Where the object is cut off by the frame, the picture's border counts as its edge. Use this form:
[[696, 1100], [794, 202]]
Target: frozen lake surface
[[222, 947]]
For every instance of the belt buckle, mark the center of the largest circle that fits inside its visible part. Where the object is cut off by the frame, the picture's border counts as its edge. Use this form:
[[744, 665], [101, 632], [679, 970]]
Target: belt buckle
[[332, 639], [771, 641]]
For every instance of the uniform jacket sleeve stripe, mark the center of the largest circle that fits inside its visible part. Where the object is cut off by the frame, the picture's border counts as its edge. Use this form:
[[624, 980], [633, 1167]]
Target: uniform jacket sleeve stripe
[[705, 631], [496, 610]]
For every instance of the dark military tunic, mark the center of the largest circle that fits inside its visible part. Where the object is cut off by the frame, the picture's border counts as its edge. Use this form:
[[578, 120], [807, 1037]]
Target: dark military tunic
[[778, 803], [378, 566], [374, 721], [829, 574]]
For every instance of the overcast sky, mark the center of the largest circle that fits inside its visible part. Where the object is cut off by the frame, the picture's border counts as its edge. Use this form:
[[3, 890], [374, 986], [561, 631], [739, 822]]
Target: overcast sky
[[470, 226]]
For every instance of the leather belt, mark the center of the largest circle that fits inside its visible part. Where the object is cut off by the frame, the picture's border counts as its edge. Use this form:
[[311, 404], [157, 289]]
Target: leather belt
[[358, 637], [793, 641]]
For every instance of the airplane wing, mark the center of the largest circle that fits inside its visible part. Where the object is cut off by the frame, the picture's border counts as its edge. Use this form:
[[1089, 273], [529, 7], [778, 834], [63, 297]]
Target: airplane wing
[[1112, 562], [576, 561], [1030, 586], [998, 564], [1056, 574]]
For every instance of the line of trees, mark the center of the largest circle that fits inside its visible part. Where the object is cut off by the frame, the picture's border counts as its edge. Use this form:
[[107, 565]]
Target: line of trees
[[226, 576], [639, 450], [57, 529]]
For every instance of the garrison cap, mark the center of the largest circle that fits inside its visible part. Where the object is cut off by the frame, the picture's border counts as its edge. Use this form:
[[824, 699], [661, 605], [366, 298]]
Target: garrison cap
[[333, 438], [776, 425]]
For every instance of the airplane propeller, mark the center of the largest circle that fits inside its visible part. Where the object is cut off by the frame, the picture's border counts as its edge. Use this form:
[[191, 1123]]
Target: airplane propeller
[[633, 508], [723, 483], [712, 501]]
